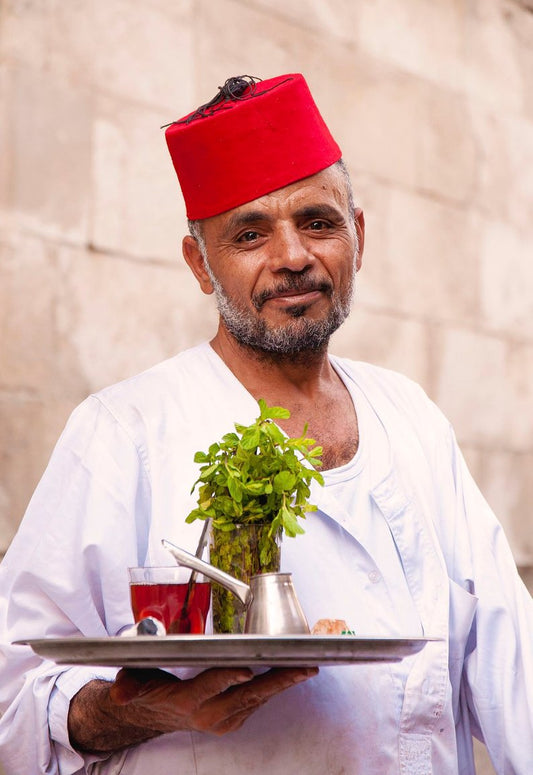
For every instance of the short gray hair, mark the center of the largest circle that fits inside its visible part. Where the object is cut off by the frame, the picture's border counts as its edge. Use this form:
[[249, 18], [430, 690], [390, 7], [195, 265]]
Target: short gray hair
[[196, 230], [341, 164]]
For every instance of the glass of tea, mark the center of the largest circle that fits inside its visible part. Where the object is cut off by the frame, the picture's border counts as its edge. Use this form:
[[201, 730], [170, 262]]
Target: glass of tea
[[169, 595]]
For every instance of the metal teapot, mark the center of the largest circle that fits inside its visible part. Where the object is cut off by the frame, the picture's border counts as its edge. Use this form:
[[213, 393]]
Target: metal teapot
[[272, 607]]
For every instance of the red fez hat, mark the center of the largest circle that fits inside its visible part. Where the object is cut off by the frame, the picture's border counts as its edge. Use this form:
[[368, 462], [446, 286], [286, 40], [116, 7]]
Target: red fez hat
[[252, 138]]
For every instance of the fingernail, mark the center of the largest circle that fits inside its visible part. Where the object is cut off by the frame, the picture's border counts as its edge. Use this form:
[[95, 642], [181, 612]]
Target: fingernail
[[242, 678], [308, 674]]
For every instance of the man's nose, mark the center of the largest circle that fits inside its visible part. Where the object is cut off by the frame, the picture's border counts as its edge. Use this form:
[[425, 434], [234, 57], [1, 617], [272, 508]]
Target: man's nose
[[289, 250]]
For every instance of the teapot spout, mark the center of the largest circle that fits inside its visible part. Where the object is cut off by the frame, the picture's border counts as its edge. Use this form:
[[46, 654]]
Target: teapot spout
[[241, 590]]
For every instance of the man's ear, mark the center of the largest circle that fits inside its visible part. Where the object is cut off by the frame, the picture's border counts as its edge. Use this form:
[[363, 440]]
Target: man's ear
[[194, 258], [359, 219]]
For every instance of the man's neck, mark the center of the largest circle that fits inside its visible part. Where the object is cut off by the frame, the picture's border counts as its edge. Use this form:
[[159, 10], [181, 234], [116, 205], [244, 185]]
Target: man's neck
[[263, 373], [308, 386]]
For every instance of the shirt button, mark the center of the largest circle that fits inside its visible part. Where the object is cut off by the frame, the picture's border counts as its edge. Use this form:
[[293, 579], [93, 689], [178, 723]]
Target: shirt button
[[374, 576]]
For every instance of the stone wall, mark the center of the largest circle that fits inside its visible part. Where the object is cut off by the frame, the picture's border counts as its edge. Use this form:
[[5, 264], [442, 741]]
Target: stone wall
[[432, 103]]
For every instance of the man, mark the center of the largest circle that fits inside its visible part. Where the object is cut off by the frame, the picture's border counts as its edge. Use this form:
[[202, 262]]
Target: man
[[402, 543]]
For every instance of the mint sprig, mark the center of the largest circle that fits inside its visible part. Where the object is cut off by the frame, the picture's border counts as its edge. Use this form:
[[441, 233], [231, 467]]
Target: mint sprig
[[257, 474]]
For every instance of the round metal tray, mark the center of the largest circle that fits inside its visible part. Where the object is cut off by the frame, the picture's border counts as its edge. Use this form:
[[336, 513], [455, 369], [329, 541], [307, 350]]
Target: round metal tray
[[224, 650]]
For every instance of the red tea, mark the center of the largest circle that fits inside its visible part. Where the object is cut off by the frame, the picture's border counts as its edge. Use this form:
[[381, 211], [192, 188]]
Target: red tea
[[165, 602]]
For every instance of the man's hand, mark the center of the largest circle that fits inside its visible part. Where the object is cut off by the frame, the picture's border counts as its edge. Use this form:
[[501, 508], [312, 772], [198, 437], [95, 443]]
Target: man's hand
[[141, 704]]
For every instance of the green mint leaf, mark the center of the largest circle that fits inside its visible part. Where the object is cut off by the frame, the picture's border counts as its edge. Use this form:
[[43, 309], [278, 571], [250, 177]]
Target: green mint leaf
[[272, 412], [235, 489], [257, 474], [251, 438], [284, 481], [207, 472], [274, 434], [230, 439], [290, 524]]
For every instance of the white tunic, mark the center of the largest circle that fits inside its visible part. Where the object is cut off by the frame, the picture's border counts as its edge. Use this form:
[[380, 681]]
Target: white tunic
[[423, 554]]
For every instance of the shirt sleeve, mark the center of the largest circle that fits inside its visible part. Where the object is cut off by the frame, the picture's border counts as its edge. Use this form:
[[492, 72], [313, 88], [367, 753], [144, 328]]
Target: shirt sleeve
[[65, 574], [498, 666]]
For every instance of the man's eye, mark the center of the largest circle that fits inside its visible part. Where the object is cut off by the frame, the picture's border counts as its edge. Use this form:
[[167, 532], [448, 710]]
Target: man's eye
[[247, 236], [318, 225]]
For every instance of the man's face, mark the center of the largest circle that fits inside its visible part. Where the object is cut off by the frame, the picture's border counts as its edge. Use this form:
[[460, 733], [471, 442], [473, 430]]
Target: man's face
[[282, 266]]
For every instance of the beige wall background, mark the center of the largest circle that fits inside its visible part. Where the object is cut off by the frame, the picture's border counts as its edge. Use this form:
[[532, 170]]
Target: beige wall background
[[432, 103]]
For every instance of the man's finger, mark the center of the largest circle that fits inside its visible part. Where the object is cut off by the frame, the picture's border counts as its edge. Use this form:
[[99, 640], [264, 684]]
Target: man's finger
[[271, 683], [218, 710], [279, 678], [131, 684]]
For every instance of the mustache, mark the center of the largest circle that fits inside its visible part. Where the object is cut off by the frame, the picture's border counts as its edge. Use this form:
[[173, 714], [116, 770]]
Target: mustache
[[291, 284]]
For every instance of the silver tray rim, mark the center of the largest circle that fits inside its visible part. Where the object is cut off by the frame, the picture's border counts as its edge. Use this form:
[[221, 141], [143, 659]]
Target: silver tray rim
[[225, 650]]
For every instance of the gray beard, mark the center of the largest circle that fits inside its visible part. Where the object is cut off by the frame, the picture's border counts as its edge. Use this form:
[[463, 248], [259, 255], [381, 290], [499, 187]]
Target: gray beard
[[298, 336]]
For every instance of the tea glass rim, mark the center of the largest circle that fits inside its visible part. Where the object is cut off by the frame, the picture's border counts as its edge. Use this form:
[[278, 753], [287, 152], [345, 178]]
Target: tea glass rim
[[172, 570]]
